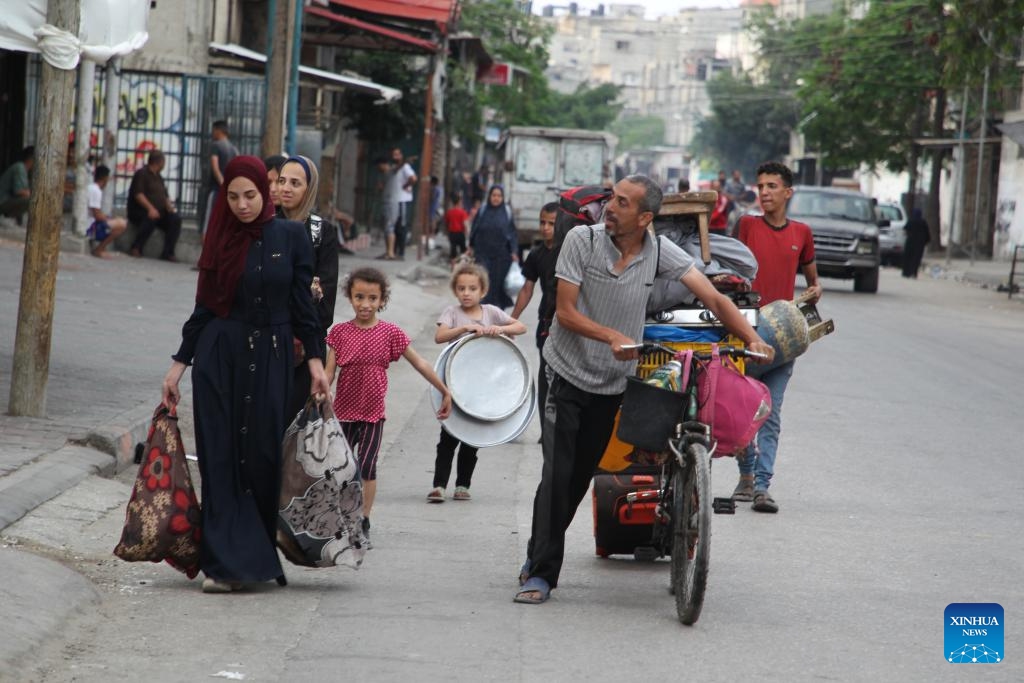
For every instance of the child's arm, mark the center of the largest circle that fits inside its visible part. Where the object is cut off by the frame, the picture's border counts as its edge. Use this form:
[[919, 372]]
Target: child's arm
[[523, 299], [446, 334], [423, 367]]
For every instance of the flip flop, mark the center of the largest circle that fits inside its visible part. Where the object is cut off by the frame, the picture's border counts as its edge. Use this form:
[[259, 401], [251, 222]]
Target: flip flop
[[524, 572], [532, 585]]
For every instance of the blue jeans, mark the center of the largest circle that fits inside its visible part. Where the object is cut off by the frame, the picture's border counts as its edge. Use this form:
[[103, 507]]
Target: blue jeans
[[759, 459]]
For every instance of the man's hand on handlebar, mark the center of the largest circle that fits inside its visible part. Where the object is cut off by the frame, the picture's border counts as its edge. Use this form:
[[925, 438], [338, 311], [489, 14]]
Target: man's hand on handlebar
[[623, 348], [762, 347]]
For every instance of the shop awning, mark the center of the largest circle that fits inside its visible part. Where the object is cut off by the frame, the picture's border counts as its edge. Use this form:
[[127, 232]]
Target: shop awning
[[349, 82], [400, 36], [438, 12]]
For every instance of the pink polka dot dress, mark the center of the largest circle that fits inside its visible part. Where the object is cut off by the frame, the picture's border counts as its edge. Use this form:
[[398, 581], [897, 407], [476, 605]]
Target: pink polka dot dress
[[363, 357]]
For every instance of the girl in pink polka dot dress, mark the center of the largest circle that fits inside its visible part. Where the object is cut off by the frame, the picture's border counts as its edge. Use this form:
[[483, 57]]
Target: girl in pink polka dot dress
[[360, 351]]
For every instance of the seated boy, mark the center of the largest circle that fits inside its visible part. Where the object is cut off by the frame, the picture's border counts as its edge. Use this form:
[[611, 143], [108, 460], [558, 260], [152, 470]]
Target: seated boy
[[103, 229]]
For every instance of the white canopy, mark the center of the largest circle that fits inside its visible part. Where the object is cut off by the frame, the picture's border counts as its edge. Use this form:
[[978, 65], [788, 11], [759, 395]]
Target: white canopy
[[108, 28]]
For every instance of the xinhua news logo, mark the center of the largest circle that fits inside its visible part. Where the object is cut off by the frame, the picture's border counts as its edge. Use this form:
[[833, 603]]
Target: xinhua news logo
[[974, 633]]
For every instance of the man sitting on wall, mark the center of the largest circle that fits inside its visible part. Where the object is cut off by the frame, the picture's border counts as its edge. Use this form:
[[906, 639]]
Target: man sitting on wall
[[149, 207]]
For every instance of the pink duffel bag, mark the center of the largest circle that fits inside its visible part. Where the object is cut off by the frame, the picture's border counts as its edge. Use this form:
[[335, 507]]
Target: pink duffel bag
[[733, 404]]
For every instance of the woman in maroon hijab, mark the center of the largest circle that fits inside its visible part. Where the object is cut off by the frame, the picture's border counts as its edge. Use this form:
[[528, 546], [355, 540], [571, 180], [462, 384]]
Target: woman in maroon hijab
[[253, 297]]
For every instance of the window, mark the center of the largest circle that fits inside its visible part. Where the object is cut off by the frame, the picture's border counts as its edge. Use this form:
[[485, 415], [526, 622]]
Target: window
[[622, 45], [583, 163], [535, 160]]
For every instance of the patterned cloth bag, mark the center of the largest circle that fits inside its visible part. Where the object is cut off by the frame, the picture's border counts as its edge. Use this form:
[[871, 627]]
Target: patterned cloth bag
[[162, 521], [319, 522]]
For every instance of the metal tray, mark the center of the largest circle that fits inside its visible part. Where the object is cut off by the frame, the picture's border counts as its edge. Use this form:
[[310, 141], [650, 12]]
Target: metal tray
[[488, 376], [476, 432]]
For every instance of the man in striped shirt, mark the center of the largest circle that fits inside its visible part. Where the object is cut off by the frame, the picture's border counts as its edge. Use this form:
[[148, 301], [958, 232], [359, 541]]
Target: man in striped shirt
[[604, 274]]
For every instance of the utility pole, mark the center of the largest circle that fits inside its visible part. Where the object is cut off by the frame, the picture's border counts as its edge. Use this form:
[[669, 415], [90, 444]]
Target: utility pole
[[281, 17], [981, 156], [83, 132], [31, 366], [111, 108], [426, 164]]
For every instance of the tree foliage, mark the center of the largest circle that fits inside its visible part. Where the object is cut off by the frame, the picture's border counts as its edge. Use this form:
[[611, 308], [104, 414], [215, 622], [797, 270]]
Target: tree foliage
[[749, 124], [866, 95], [396, 121], [522, 39], [637, 132]]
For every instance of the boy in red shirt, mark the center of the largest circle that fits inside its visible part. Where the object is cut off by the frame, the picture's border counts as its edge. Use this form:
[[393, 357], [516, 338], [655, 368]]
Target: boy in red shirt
[[781, 247], [456, 219]]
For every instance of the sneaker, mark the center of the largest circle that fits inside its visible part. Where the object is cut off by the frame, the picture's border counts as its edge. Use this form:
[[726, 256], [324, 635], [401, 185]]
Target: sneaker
[[763, 502], [461, 493], [436, 495], [744, 491]]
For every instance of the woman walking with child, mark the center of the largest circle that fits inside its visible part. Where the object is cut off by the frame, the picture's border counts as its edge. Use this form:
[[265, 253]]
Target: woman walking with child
[[359, 352], [298, 184], [255, 273], [469, 283]]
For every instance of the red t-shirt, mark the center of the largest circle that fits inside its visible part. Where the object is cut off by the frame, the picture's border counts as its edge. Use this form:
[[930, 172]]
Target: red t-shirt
[[455, 218], [780, 252], [363, 356]]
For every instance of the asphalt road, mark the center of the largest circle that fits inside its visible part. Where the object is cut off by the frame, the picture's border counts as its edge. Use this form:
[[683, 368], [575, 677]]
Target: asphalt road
[[897, 481]]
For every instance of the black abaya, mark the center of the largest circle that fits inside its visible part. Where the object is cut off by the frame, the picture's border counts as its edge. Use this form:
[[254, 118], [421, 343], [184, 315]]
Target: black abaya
[[241, 379]]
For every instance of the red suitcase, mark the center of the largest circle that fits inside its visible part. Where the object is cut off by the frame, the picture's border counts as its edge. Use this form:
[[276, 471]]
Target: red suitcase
[[621, 527]]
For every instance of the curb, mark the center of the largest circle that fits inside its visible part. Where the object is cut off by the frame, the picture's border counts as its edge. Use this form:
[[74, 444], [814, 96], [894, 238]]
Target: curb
[[47, 477], [119, 438]]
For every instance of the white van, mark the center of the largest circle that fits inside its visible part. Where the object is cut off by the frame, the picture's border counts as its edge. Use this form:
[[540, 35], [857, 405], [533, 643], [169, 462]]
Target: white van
[[538, 163]]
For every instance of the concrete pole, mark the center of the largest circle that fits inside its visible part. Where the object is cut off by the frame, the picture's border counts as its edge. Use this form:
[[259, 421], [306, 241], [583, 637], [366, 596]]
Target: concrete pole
[[83, 131], [31, 366], [961, 168], [111, 123]]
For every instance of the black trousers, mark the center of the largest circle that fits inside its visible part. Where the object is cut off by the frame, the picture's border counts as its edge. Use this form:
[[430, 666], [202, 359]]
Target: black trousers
[[446, 446], [457, 244], [170, 223], [578, 426]]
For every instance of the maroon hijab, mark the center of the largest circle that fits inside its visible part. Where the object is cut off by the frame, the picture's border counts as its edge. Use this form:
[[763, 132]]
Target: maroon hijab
[[227, 238]]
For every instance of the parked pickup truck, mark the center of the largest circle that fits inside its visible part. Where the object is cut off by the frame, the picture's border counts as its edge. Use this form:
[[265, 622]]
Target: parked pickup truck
[[845, 224]]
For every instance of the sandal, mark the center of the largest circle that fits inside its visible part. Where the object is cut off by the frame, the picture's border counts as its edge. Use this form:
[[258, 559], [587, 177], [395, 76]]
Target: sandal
[[436, 495], [461, 493], [744, 491], [534, 584], [763, 502]]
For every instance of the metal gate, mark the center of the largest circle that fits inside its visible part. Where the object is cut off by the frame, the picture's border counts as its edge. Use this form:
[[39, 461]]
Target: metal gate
[[173, 113]]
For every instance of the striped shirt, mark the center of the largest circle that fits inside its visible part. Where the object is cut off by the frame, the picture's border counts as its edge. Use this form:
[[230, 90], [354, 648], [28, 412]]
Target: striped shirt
[[615, 300]]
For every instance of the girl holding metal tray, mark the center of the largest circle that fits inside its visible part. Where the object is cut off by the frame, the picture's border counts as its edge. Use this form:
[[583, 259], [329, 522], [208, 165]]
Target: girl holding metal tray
[[469, 283]]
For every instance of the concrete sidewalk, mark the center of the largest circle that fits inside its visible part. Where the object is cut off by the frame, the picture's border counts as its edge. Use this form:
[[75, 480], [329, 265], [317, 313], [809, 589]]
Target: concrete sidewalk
[[116, 323], [987, 274]]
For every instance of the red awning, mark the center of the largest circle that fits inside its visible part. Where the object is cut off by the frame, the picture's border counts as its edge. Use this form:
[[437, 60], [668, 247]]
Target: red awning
[[439, 12], [423, 44]]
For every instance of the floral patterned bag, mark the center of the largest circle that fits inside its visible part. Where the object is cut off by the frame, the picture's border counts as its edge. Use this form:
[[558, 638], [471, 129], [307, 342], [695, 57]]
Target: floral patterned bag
[[162, 521], [319, 523]]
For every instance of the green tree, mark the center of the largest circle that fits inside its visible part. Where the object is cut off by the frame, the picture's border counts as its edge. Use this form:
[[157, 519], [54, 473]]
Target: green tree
[[637, 132], [748, 124], [591, 108], [869, 90], [396, 121]]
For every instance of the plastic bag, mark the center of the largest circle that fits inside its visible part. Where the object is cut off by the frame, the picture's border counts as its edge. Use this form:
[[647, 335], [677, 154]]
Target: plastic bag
[[514, 280]]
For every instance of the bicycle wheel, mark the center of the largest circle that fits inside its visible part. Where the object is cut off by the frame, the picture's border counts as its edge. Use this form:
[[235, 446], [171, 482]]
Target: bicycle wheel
[[691, 532]]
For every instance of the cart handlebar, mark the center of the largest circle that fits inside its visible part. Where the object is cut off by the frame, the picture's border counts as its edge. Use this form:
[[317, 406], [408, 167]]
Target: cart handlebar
[[725, 350]]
